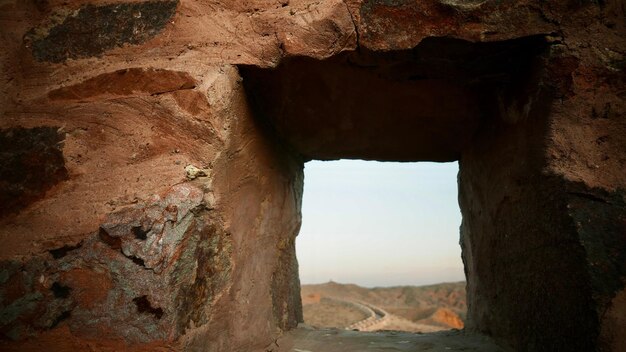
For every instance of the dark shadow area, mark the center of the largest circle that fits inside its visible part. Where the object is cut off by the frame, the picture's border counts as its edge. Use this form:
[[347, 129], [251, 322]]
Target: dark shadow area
[[31, 163], [424, 104], [144, 306]]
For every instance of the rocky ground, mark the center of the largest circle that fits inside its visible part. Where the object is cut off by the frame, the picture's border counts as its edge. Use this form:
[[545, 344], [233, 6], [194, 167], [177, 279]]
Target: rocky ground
[[306, 339]]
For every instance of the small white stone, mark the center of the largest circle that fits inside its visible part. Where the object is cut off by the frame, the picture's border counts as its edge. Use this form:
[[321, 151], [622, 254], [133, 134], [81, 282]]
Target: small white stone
[[193, 172]]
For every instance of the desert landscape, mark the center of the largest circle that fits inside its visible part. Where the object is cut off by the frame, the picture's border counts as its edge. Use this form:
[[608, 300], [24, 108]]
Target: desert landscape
[[350, 318], [423, 309]]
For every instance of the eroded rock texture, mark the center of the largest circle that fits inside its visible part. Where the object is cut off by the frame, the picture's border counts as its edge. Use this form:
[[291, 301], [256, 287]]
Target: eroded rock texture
[[151, 157], [94, 29]]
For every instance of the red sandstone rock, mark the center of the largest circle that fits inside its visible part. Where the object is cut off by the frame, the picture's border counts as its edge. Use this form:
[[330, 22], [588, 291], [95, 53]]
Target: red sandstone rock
[[106, 244]]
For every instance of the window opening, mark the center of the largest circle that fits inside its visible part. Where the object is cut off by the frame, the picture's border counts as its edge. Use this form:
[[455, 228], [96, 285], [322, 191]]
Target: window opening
[[379, 246]]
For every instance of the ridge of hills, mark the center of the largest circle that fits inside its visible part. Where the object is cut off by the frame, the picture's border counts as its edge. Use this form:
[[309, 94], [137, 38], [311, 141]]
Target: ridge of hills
[[404, 308]]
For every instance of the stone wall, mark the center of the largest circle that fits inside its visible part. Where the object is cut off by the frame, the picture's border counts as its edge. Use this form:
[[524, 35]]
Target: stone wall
[[151, 158]]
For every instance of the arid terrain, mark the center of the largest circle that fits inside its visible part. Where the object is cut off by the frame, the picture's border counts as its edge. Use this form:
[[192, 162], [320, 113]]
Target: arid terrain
[[404, 308]]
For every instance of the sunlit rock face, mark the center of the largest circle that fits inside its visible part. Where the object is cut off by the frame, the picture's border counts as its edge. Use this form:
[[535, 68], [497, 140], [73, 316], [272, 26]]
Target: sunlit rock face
[[151, 158]]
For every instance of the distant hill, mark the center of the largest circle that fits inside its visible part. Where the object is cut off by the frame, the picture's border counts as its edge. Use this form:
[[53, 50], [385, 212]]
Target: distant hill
[[409, 308]]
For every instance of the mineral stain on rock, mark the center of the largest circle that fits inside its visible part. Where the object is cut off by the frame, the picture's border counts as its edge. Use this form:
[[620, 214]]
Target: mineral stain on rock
[[93, 30], [31, 162], [211, 273]]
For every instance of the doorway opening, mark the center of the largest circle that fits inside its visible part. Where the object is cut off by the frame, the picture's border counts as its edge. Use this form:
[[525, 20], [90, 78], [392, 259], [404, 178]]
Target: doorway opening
[[379, 246], [481, 104]]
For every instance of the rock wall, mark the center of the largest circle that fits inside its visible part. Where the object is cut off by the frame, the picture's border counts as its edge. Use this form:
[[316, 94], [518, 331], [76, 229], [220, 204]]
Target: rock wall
[[517, 237], [151, 159], [542, 197], [145, 209]]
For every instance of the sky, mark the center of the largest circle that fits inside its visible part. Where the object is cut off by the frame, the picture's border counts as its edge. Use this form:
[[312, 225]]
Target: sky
[[380, 224]]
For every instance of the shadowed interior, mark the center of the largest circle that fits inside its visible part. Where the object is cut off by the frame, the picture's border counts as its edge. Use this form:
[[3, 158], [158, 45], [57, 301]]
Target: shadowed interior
[[424, 104]]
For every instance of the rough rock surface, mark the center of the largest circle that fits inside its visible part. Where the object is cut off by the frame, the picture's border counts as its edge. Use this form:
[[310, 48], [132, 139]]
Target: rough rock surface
[[108, 245], [333, 340]]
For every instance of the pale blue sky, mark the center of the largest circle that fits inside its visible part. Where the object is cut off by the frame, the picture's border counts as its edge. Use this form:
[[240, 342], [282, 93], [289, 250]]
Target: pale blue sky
[[380, 224]]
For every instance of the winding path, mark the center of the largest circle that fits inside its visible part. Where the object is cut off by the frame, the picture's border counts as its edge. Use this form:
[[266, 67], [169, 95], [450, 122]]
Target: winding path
[[376, 317]]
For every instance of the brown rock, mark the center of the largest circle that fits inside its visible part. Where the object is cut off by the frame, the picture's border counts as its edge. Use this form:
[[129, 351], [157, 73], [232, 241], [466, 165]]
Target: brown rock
[[91, 287], [132, 81], [447, 317], [103, 105]]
